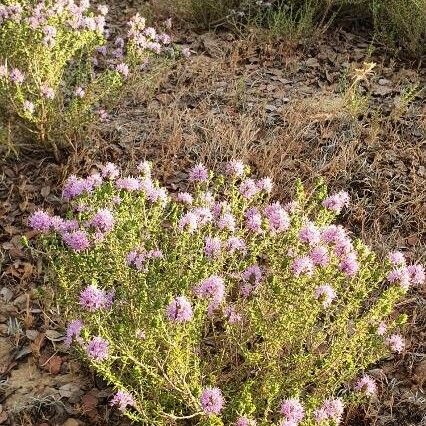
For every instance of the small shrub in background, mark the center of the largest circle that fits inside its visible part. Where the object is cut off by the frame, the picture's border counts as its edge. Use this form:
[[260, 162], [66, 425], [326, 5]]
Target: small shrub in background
[[221, 306], [56, 68], [399, 23]]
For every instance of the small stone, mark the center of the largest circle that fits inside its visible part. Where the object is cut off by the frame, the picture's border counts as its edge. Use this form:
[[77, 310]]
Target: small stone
[[31, 334], [71, 422]]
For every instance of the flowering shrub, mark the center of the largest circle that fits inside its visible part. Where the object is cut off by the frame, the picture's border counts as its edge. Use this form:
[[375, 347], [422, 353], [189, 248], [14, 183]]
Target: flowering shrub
[[221, 306], [56, 67]]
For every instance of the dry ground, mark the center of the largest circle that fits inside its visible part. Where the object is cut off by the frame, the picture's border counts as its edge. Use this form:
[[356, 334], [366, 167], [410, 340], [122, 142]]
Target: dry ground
[[286, 112]]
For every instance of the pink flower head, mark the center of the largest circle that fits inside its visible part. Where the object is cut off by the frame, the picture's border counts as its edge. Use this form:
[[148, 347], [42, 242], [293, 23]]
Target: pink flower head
[[16, 76], [227, 221], [185, 198], [292, 410], [319, 256], [265, 184], [343, 246], [29, 107], [97, 348], [396, 343], [103, 9], [417, 274], [303, 265], [47, 92], [40, 221], [367, 385], [232, 315], [204, 215], [396, 258], [278, 218], [64, 225], [349, 265], [212, 401], [123, 69], [336, 202], [401, 276], [79, 92], [179, 310], [207, 198], [219, 208], [310, 234], [154, 194], [122, 400], [164, 38], [291, 207], [186, 52], [150, 32], [332, 409], [49, 35], [188, 222], [94, 180], [73, 331], [213, 289], [93, 298], [128, 184], [326, 293], [285, 422], [235, 168], [103, 220], [333, 233], [212, 246], [248, 188], [381, 329], [198, 173], [110, 171], [234, 244], [75, 186], [244, 421], [252, 276], [253, 220], [145, 168], [76, 240]]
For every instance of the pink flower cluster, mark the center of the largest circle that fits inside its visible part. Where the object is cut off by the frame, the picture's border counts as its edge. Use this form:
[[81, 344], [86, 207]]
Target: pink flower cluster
[[252, 277], [367, 385], [293, 412], [93, 298], [212, 246], [343, 248], [336, 202], [332, 409], [122, 400], [326, 294], [11, 12], [73, 331], [14, 75], [277, 217], [212, 289], [212, 401], [146, 38], [75, 186], [405, 276], [179, 310], [138, 259], [245, 421], [103, 221], [97, 349], [75, 238]]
